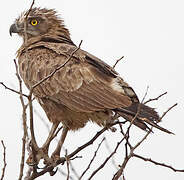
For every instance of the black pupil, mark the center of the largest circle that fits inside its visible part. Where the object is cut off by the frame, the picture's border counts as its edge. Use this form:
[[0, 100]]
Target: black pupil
[[34, 22]]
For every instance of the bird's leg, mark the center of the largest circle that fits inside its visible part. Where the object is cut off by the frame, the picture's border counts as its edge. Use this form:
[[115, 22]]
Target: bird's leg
[[42, 153], [56, 153], [45, 146]]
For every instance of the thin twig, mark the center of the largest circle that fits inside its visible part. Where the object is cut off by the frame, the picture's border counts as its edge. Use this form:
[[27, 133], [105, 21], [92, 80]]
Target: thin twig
[[128, 157], [32, 4], [28, 173], [24, 122], [13, 90], [127, 134], [64, 174], [4, 160], [110, 151], [137, 114], [117, 62], [106, 160], [89, 165], [155, 99], [57, 69], [67, 165], [72, 167], [33, 140], [167, 111], [157, 163]]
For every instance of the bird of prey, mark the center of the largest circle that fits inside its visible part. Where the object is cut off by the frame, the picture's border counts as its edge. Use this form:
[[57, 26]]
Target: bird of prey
[[84, 89]]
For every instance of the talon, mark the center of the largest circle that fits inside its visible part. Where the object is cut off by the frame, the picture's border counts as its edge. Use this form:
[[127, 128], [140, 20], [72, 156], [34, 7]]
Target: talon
[[52, 173], [55, 158], [30, 160], [35, 158]]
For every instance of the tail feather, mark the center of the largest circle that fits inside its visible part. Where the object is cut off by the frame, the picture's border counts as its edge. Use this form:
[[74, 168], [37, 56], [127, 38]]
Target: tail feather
[[145, 115]]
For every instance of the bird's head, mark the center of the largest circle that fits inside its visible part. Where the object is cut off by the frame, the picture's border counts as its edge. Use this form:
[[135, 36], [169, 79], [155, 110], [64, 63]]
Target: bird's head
[[39, 22]]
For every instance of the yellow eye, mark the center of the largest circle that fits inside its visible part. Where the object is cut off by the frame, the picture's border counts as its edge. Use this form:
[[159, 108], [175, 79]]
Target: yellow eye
[[34, 22]]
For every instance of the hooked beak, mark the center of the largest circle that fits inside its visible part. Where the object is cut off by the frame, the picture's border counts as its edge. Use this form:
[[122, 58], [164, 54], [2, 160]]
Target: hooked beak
[[13, 29]]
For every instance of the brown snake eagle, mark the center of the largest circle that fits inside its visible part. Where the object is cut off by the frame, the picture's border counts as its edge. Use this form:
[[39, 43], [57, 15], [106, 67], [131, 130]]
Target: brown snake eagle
[[85, 89]]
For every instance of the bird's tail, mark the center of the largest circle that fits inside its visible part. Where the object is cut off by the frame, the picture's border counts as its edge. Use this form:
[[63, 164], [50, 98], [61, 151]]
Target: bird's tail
[[144, 115]]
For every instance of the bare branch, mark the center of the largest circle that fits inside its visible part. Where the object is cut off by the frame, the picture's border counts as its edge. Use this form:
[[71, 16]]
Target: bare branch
[[4, 160], [24, 122], [106, 160], [157, 163], [128, 157], [89, 165], [13, 90], [117, 61], [63, 159], [167, 111], [72, 167], [32, 4], [110, 151], [67, 165], [155, 99]]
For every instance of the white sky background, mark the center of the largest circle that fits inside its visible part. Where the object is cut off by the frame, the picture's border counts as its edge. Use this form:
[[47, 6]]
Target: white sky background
[[150, 34]]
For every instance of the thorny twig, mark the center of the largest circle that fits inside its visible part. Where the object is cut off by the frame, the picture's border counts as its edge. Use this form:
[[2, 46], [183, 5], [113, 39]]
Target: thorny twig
[[4, 160]]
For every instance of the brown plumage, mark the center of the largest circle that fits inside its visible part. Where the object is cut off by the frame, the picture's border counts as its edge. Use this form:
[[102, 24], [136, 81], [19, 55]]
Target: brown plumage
[[85, 89]]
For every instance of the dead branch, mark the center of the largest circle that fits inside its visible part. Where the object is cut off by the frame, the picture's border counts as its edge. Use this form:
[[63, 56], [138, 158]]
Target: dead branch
[[167, 111], [13, 90], [89, 165], [157, 163], [62, 160], [24, 122], [32, 4], [128, 157], [64, 174], [67, 165], [110, 151], [4, 160], [155, 99], [117, 61], [72, 167], [106, 160]]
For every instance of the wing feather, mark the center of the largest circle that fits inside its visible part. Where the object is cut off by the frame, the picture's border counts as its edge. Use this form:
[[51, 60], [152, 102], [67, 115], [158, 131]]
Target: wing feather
[[84, 84]]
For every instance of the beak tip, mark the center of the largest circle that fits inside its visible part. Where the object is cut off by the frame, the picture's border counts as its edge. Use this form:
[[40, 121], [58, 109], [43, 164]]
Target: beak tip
[[13, 29]]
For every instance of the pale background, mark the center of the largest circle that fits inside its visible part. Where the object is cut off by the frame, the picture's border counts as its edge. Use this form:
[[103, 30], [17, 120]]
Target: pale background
[[150, 34]]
